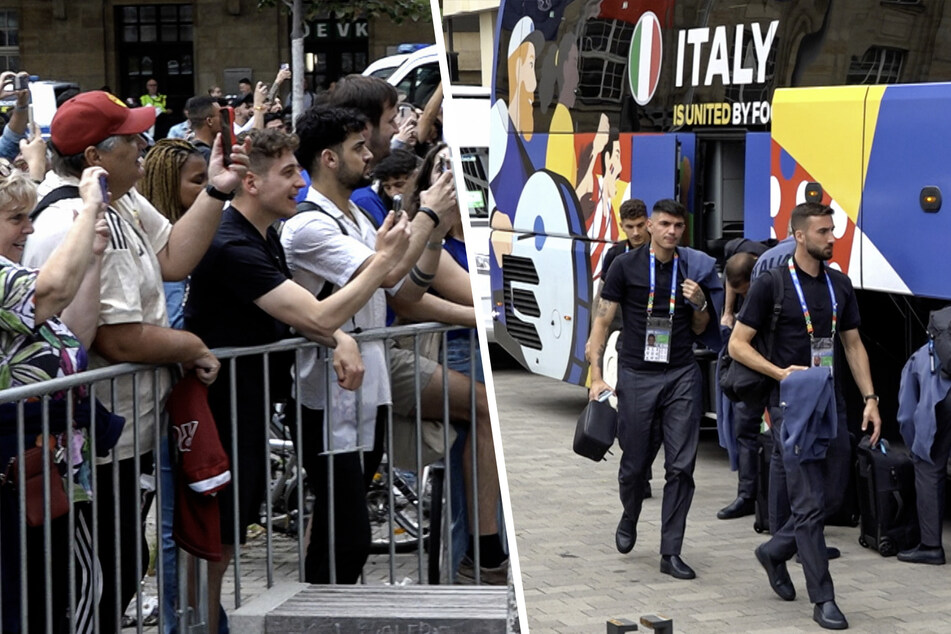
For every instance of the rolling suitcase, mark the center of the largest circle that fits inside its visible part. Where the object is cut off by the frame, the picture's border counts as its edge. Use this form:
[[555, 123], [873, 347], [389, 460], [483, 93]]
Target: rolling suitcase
[[848, 514], [886, 491]]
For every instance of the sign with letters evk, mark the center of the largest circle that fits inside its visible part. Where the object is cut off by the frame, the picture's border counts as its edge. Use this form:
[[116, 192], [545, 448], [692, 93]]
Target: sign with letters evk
[[337, 31]]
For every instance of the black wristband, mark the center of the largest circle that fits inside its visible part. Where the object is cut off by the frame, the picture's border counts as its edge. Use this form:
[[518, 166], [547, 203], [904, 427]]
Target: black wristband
[[217, 194], [432, 215]]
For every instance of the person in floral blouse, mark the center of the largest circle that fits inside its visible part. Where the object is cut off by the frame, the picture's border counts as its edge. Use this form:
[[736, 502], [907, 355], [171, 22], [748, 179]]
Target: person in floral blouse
[[36, 345]]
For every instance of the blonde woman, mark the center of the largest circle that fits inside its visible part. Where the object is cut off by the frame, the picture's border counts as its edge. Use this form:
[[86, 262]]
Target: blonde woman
[[36, 345]]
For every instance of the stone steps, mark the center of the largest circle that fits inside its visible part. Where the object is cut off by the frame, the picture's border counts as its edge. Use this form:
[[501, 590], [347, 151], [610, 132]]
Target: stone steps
[[296, 607]]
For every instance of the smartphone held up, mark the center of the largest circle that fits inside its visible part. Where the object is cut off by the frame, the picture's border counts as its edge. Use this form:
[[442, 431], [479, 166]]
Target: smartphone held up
[[228, 139]]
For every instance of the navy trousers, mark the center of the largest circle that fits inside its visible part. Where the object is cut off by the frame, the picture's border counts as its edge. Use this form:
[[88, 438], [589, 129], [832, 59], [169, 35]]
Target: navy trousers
[[930, 479], [746, 426], [801, 496], [659, 408]]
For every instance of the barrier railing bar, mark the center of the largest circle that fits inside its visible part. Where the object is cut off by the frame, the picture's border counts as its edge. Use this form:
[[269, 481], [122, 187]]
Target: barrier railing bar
[[447, 460], [71, 512], [159, 497], [299, 467], [269, 508], [329, 446], [473, 439]]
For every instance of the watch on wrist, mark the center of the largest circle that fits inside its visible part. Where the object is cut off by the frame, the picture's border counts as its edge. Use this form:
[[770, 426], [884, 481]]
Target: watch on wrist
[[869, 397], [217, 194]]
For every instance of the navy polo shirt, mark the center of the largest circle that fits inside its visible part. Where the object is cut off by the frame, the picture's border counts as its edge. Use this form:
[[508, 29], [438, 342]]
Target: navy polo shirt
[[791, 343], [628, 284]]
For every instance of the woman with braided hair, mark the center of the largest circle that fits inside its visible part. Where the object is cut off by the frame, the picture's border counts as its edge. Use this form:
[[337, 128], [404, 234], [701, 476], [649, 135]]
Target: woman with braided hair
[[175, 173]]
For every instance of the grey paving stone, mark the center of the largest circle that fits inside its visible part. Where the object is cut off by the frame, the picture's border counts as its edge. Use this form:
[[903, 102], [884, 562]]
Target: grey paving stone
[[566, 508]]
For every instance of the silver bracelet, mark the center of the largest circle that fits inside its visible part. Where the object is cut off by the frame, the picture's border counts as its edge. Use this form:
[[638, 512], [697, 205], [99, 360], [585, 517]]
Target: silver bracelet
[[434, 245]]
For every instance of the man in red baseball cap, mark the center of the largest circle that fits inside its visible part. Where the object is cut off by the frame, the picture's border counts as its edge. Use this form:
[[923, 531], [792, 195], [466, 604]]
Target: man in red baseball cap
[[97, 129]]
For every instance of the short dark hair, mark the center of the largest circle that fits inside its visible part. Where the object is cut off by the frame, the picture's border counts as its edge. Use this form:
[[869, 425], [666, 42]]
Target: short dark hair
[[273, 116], [324, 127], [423, 180], [739, 268], [632, 209], [245, 80], [267, 145], [396, 163], [670, 206], [368, 95], [803, 211], [200, 108]]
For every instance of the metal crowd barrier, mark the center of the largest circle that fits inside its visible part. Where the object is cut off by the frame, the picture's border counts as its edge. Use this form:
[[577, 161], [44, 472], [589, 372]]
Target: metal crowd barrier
[[15, 496]]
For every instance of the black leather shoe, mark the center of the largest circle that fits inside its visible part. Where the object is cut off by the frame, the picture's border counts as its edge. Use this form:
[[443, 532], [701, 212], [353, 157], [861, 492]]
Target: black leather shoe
[[923, 555], [625, 535], [779, 579], [676, 567], [828, 615], [740, 507], [831, 553]]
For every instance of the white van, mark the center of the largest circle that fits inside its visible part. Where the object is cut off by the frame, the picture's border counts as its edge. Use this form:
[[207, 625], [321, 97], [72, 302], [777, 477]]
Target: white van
[[466, 127], [385, 66], [43, 97], [417, 77]]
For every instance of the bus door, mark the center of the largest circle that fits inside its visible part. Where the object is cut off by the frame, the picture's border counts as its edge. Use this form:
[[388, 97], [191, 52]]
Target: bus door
[[720, 180]]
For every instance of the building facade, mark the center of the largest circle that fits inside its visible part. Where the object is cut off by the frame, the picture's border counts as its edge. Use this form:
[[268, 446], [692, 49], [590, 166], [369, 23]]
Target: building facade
[[186, 46]]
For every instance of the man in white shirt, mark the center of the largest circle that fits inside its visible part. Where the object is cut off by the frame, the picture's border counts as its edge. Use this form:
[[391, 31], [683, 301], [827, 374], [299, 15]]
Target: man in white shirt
[[327, 246]]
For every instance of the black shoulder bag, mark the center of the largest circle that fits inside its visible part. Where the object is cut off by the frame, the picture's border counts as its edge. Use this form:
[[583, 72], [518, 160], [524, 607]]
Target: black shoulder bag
[[738, 382]]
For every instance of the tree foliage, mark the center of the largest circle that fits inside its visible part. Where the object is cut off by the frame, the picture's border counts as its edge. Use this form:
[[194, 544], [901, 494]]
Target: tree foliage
[[396, 10]]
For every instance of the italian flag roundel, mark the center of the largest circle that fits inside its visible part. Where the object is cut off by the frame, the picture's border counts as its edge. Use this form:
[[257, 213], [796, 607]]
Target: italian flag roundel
[[643, 67]]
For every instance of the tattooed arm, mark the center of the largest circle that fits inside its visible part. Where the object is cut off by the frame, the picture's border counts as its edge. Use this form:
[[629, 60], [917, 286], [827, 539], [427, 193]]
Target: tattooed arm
[[596, 343]]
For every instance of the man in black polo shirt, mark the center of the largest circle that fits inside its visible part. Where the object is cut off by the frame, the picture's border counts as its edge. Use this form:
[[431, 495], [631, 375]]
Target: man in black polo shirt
[[205, 119], [819, 313], [670, 296], [242, 295], [633, 213]]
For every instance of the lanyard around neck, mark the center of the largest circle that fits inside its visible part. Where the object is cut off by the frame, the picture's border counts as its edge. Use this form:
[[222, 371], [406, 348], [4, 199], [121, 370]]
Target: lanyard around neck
[[802, 299], [673, 284]]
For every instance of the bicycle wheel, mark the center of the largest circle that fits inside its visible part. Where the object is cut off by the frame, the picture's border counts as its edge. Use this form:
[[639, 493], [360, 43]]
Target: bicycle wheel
[[410, 515]]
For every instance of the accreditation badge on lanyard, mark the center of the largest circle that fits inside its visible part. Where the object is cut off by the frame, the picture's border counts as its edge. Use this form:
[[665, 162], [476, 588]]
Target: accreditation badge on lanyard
[[657, 337], [821, 349]]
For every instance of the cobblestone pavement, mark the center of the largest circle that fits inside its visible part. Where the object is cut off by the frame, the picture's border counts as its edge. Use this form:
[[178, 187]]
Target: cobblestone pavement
[[566, 509]]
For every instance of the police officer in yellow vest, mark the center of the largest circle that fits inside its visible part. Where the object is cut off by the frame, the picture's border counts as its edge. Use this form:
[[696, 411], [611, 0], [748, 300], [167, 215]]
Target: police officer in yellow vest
[[153, 98]]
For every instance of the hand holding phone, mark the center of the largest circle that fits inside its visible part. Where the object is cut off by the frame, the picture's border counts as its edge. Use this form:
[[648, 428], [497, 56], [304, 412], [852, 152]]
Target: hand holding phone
[[104, 188], [228, 139]]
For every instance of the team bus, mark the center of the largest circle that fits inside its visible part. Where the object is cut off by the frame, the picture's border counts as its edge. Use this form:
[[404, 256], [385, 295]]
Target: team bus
[[739, 110]]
